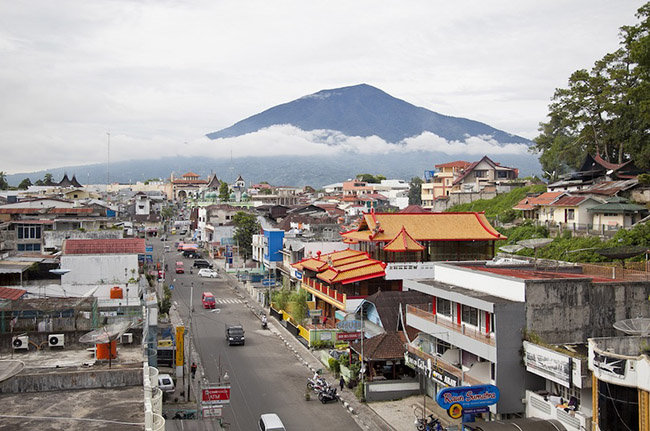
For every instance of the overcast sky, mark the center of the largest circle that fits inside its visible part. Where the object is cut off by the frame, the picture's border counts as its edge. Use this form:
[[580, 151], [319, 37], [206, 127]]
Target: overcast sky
[[158, 75]]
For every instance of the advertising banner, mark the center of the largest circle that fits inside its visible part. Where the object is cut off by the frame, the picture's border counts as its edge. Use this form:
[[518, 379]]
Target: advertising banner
[[180, 345], [431, 370], [468, 396], [216, 395], [548, 363], [347, 336]]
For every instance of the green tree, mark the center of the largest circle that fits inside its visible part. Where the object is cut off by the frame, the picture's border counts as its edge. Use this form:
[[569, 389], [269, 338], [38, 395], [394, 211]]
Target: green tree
[[246, 226], [48, 179], [415, 191], [24, 184], [604, 111], [369, 178], [3, 181], [224, 193]]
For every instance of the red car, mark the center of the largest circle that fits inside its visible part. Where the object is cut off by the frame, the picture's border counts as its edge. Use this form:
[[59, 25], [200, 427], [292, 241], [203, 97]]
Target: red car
[[180, 269], [208, 301]]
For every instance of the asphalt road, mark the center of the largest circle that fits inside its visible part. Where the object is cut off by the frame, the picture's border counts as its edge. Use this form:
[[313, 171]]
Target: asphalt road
[[264, 375]]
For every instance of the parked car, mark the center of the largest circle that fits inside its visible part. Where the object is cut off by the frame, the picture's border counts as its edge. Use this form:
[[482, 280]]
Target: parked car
[[207, 272], [192, 254], [166, 383], [208, 301], [235, 334], [202, 263], [180, 268], [270, 422]]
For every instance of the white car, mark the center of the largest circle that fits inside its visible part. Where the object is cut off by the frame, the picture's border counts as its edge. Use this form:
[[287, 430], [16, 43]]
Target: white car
[[207, 272], [166, 383]]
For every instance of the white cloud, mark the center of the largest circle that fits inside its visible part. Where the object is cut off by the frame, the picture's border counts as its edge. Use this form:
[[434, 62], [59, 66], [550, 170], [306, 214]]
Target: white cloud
[[159, 73]]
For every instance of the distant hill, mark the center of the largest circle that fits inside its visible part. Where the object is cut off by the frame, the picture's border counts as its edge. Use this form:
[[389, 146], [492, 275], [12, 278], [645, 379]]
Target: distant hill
[[363, 110]]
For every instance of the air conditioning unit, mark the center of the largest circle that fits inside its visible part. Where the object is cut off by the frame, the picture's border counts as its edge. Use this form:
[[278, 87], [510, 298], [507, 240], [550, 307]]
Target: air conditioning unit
[[56, 340], [20, 342], [127, 338]]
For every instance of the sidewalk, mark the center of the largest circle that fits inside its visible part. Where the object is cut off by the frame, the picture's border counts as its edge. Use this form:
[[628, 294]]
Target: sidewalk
[[398, 415]]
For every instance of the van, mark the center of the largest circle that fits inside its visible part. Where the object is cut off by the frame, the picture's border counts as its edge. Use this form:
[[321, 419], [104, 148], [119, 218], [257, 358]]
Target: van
[[271, 422], [208, 301], [166, 383]]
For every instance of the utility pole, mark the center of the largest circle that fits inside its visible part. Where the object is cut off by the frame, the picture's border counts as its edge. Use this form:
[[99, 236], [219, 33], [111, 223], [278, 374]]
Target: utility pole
[[108, 162], [189, 354]]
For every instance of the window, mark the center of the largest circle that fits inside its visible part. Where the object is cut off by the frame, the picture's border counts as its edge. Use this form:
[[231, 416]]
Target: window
[[29, 247], [469, 315], [443, 306], [570, 214], [28, 231], [480, 174]]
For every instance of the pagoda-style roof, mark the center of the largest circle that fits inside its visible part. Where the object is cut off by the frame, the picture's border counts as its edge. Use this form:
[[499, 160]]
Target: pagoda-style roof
[[467, 226], [345, 266], [403, 242]]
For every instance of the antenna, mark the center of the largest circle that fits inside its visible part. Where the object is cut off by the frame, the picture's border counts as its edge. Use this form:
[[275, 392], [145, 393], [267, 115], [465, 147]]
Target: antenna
[[636, 326], [108, 162]]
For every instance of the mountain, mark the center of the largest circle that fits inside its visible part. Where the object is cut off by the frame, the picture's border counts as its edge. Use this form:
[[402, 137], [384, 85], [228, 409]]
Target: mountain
[[363, 110]]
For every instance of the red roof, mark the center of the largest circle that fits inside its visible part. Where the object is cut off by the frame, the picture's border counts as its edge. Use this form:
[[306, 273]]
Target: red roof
[[456, 164], [531, 202], [414, 209], [71, 210], [11, 294], [104, 246], [569, 201]]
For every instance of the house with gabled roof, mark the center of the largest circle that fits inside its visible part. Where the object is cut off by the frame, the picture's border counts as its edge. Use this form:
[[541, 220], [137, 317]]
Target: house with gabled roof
[[481, 174], [535, 207], [570, 209], [617, 212], [409, 243]]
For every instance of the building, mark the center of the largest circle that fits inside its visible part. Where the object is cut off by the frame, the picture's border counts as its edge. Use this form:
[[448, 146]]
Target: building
[[440, 182]]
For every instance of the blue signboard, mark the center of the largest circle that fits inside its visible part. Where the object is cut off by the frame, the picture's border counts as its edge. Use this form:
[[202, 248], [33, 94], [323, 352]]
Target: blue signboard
[[468, 396], [148, 248], [268, 282], [149, 258]]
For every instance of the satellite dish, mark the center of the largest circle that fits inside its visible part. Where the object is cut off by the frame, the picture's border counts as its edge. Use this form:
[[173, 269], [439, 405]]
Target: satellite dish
[[622, 252], [512, 248], [10, 368], [535, 243], [636, 326], [106, 334], [59, 271]]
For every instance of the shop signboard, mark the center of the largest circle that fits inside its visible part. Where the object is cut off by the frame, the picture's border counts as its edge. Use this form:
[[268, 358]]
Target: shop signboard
[[212, 411], [349, 325], [347, 336], [216, 395], [468, 397], [430, 370]]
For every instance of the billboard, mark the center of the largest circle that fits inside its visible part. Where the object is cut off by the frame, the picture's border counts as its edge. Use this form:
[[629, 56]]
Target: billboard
[[468, 396], [216, 395]]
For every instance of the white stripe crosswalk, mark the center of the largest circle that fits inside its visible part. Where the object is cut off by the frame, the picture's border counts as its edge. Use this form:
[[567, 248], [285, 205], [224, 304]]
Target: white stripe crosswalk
[[228, 301]]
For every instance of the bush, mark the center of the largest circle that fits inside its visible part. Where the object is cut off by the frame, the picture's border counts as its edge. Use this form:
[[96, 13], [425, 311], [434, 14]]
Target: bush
[[334, 365], [322, 344]]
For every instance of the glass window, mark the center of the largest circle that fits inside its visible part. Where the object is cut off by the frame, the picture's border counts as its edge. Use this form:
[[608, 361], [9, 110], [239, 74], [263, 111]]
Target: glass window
[[469, 315], [443, 306]]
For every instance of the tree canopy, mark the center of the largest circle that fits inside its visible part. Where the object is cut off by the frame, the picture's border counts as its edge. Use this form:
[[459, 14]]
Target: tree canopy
[[246, 226], [24, 184], [415, 191], [369, 178], [3, 181], [224, 193], [605, 110]]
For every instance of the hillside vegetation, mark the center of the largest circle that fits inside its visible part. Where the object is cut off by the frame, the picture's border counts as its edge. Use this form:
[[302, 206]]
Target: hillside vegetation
[[565, 246]]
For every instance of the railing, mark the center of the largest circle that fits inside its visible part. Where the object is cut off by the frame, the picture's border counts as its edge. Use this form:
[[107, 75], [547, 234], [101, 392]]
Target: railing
[[473, 333], [615, 272], [325, 290], [444, 365]]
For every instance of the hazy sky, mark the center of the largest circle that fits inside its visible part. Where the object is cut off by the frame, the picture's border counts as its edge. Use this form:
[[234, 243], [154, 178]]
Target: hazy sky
[[159, 74]]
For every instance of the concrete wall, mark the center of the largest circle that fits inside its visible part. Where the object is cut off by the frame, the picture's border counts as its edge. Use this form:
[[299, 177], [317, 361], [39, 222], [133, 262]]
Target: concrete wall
[[392, 389], [440, 205], [570, 311], [72, 379], [99, 269]]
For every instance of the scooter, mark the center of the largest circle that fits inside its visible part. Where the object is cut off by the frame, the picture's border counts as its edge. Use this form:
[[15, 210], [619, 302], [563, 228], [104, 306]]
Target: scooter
[[328, 395], [265, 324], [433, 424]]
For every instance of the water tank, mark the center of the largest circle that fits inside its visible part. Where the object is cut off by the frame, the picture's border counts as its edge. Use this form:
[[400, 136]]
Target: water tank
[[103, 350], [116, 292]]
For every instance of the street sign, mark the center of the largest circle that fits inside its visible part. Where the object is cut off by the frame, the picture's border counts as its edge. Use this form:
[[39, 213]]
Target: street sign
[[171, 287], [316, 313], [346, 336], [148, 248], [268, 282], [212, 411], [216, 395]]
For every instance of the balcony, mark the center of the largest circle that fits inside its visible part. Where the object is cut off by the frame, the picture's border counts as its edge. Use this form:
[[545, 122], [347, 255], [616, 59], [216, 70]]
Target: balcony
[[325, 292], [440, 364], [541, 407], [471, 332]]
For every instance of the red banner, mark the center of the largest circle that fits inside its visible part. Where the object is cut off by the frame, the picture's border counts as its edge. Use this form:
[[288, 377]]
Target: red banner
[[216, 395]]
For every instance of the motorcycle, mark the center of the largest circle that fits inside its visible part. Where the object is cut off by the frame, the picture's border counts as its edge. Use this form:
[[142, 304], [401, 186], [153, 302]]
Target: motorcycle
[[433, 424], [328, 395], [265, 323], [317, 384]]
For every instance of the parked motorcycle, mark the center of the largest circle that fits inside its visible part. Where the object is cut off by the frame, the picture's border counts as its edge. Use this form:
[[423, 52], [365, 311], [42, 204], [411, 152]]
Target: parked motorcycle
[[317, 384], [265, 323], [328, 395], [433, 424]]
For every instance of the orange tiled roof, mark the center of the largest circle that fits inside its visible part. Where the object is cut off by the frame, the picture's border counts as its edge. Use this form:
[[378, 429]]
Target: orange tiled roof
[[532, 202], [425, 227], [345, 266], [403, 242], [104, 246]]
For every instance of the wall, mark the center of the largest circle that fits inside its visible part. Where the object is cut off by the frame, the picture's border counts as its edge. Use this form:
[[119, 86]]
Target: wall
[[54, 238], [98, 269], [492, 284], [73, 379], [440, 205], [570, 311]]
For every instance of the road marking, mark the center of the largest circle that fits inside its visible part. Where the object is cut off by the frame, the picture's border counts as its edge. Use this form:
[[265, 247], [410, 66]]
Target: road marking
[[229, 301]]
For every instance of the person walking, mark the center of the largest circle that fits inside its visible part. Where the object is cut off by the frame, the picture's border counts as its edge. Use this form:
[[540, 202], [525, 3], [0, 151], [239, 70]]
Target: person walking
[[193, 369], [341, 383]]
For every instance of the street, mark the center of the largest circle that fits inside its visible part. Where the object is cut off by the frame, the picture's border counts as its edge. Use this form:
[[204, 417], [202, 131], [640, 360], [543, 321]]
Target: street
[[265, 376]]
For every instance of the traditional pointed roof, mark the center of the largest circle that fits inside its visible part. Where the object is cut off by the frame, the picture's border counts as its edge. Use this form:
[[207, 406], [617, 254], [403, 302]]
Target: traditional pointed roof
[[403, 242], [74, 182], [65, 182], [239, 178], [425, 227], [414, 209], [214, 182], [383, 347]]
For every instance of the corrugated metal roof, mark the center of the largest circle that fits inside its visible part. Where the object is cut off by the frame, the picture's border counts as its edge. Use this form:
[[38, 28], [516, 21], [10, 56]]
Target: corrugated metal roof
[[11, 294], [104, 246]]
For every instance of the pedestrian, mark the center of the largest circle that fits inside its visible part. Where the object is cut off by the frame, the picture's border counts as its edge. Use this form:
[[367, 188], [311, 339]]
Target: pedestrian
[[341, 383], [193, 369]]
